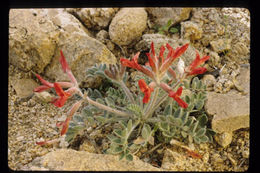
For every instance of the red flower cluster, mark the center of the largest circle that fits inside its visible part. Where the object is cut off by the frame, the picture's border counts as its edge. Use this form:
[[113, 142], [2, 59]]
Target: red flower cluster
[[157, 66], [63, 95], [192, 69]]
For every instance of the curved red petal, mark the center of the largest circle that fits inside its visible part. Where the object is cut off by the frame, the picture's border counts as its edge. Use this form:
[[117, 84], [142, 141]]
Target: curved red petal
[[152, 47], [181, 102], [41, 88], [44, 82], [199, 70], [142, 85], [63, 62], [179, 91], [180, 50]]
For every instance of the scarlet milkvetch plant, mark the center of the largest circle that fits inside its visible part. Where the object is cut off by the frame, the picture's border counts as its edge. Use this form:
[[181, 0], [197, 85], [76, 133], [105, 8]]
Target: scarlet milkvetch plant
[[135, 112]]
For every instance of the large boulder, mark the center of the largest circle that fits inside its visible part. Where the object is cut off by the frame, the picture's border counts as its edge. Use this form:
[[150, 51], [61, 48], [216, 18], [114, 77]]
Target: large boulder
[[127, 25], [71, 160], [46, 32], [162, 15], [94, 18], [230, 111]]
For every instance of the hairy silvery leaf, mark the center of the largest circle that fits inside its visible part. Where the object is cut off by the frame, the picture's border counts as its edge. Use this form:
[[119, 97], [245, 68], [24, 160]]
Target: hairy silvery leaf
[[146, 131], [199, 104], [168, 110], [194, 127], [201, 132], [202, 119], [177, 113], [162, 117], [164, 126], [129, 126], [186, 84], [197, 140], [135, 109], [72, 133], [185, 117], [204, 138], [129, 157]]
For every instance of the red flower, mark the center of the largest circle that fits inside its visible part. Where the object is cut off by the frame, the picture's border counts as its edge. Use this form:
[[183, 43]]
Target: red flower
[[146, 90], [134, 64], [63, 96], [176, 96], [197, 61], [46, 85]]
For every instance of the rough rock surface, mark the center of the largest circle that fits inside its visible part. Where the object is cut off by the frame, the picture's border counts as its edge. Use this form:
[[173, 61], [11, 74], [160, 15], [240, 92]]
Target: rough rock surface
[[96, 18], [231, 111], [23, 87], [191, 30], [224, 139], [72, 160], [127, 25], [47, 32], [32, 39], [162, 15]]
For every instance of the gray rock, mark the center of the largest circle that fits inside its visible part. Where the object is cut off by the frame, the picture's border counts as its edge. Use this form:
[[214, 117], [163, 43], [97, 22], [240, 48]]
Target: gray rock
[[24, 87], [127, 25], [32, 39], [71, 160], [191, 30], [243, 80], [162, 15], [230, 110], [221, 45], [94, 18], [224, 139], [46, 32]]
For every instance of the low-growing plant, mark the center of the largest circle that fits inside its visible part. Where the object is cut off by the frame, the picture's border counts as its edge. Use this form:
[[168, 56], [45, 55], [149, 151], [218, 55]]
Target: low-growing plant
[[140, 116], [167, 28]]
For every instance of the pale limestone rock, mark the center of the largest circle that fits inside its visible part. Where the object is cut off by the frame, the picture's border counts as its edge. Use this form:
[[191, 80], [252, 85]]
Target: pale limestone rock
[[127, 25], [230, 111]]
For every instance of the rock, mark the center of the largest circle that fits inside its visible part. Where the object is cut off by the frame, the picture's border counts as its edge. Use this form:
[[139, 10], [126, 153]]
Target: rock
[[46, 33], [243, 80], [209, 80], [32, 39], [80, 50], [102, 36], [221, 45], [191, 30], [71, 160], [127, 25], [224, 139], [230, 110], [162, 15], [24, 87], [44, 96], [94, 18]]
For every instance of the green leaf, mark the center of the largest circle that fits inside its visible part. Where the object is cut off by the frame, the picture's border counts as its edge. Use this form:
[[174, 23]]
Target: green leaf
[[187, 99], [146, 131], [129, 157], [204, 138], [101, 119], [196, 140], [194, 127], [167, 134], [202, 119], [110, 102], [199, 104], [185, 117], [77, 118], [97, 94], [201, 132], [121, 156], [164, 126], [129, 125], [185, 128], [177, 113], [118, 133], [136, 109], [168, 110], [186, 84], [118, 150], [173, 30], [184, 134], [162, 117]]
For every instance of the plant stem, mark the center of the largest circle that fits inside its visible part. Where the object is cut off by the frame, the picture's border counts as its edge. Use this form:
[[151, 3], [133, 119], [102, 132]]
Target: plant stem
[[127, 92], [109, 109], [148, 109]]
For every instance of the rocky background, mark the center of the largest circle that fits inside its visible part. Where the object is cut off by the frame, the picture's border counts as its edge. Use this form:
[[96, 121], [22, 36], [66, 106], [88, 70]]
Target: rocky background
[[103, 35]]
